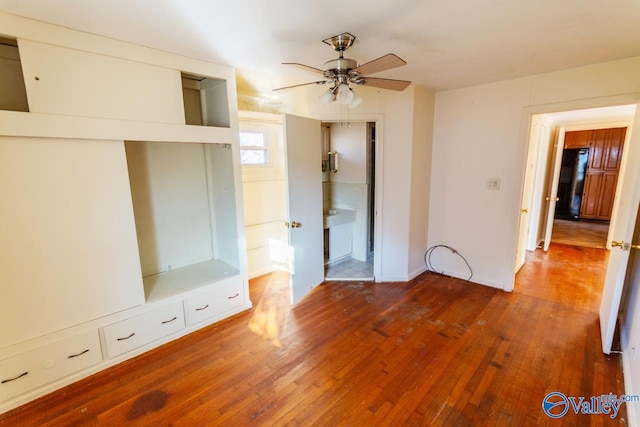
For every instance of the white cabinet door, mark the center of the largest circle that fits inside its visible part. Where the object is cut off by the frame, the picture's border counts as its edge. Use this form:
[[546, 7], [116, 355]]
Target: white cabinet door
[[71, 82], [68, 249], [304, 201]]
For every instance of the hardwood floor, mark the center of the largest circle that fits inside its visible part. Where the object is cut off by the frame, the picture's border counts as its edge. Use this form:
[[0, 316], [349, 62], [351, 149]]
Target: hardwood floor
[[434, 351], [590, 234]]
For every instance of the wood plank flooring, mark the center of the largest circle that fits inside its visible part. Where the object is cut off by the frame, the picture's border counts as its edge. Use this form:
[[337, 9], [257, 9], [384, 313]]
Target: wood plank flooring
[[590, 234], [435, 351]]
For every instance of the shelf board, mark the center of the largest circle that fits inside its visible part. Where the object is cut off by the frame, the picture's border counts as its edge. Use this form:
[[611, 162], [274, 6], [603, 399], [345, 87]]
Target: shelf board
[[180, 280]]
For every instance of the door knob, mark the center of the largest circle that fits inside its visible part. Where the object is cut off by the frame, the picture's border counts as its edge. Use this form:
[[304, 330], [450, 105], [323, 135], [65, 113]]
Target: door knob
[[622, 245], [292, 224]]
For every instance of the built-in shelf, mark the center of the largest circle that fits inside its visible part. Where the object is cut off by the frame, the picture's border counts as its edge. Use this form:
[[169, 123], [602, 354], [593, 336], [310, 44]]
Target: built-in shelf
[[185, 279], [184, 205], [205, 101], [13, 93]]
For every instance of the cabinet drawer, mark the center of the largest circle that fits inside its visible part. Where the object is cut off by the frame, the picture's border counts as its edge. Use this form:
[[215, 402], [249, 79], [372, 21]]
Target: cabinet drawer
[[42, 365], [137, 331], [215, 302]]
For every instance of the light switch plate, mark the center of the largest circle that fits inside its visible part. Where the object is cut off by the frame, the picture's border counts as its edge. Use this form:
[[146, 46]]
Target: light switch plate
[[493, 184]]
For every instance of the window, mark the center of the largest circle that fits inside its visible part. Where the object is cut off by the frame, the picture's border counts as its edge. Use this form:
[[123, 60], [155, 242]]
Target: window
[[254, 148]]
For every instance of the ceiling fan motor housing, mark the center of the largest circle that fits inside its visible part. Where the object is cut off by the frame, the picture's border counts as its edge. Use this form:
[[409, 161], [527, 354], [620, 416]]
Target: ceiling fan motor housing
[[341, 42]]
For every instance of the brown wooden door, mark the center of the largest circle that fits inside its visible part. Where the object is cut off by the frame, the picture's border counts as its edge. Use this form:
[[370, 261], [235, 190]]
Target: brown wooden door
[[592, 185], [577, 139], [597, 148], [606, 195], [605, 153], [613, 154]]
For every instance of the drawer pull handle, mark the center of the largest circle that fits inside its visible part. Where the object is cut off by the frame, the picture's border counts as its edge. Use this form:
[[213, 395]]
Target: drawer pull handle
[[235, 296], [202, 308], [13, 379], [79, 354], [126, 338], [169, 321]]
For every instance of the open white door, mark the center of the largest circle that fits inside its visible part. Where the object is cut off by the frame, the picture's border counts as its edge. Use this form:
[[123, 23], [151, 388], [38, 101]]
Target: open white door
[[527, 192], [552, 198], [304, 203], [625, 220]]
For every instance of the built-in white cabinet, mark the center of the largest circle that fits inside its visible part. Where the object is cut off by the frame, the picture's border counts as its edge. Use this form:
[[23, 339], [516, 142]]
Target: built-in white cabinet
[[340, 241], [45, 364], [121, 217], [68, 245], [67, 81], [142, 329], [205, 101], [185, 212], [12, 88], [216, 302]]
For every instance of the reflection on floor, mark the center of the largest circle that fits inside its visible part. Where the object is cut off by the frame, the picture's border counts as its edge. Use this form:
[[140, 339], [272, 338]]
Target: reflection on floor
[[590, 234], [349, 269]]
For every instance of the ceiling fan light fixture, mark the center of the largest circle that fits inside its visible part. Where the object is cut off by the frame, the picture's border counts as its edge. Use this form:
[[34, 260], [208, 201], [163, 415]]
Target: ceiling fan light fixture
[[344, 94], [328, 97], [356, 99]]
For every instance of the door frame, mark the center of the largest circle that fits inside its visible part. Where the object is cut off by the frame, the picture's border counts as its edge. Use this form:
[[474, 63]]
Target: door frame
[[525, 132], [378, 119]]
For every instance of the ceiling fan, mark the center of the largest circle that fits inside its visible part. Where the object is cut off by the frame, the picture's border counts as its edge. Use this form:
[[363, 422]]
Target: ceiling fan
[[341, 72]]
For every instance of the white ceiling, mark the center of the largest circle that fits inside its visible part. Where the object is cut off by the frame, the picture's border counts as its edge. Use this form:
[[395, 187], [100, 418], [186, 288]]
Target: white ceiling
[[447, 44]]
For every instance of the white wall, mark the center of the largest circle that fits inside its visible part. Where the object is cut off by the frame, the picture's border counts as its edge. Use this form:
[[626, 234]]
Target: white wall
[[420, 179], [350, 141], [481, 132]]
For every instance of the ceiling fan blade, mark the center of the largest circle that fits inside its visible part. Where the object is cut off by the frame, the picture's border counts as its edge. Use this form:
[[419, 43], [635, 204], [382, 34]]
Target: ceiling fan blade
[[391, 84], [320, 82], [383, 63], [304, 67]]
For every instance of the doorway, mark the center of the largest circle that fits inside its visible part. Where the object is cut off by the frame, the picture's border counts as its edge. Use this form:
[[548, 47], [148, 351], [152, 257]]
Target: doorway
[[349, 199], [265, 193], [543, 175]]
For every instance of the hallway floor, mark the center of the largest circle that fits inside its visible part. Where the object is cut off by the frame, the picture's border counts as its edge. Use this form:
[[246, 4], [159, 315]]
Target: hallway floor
[[590, 234]]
